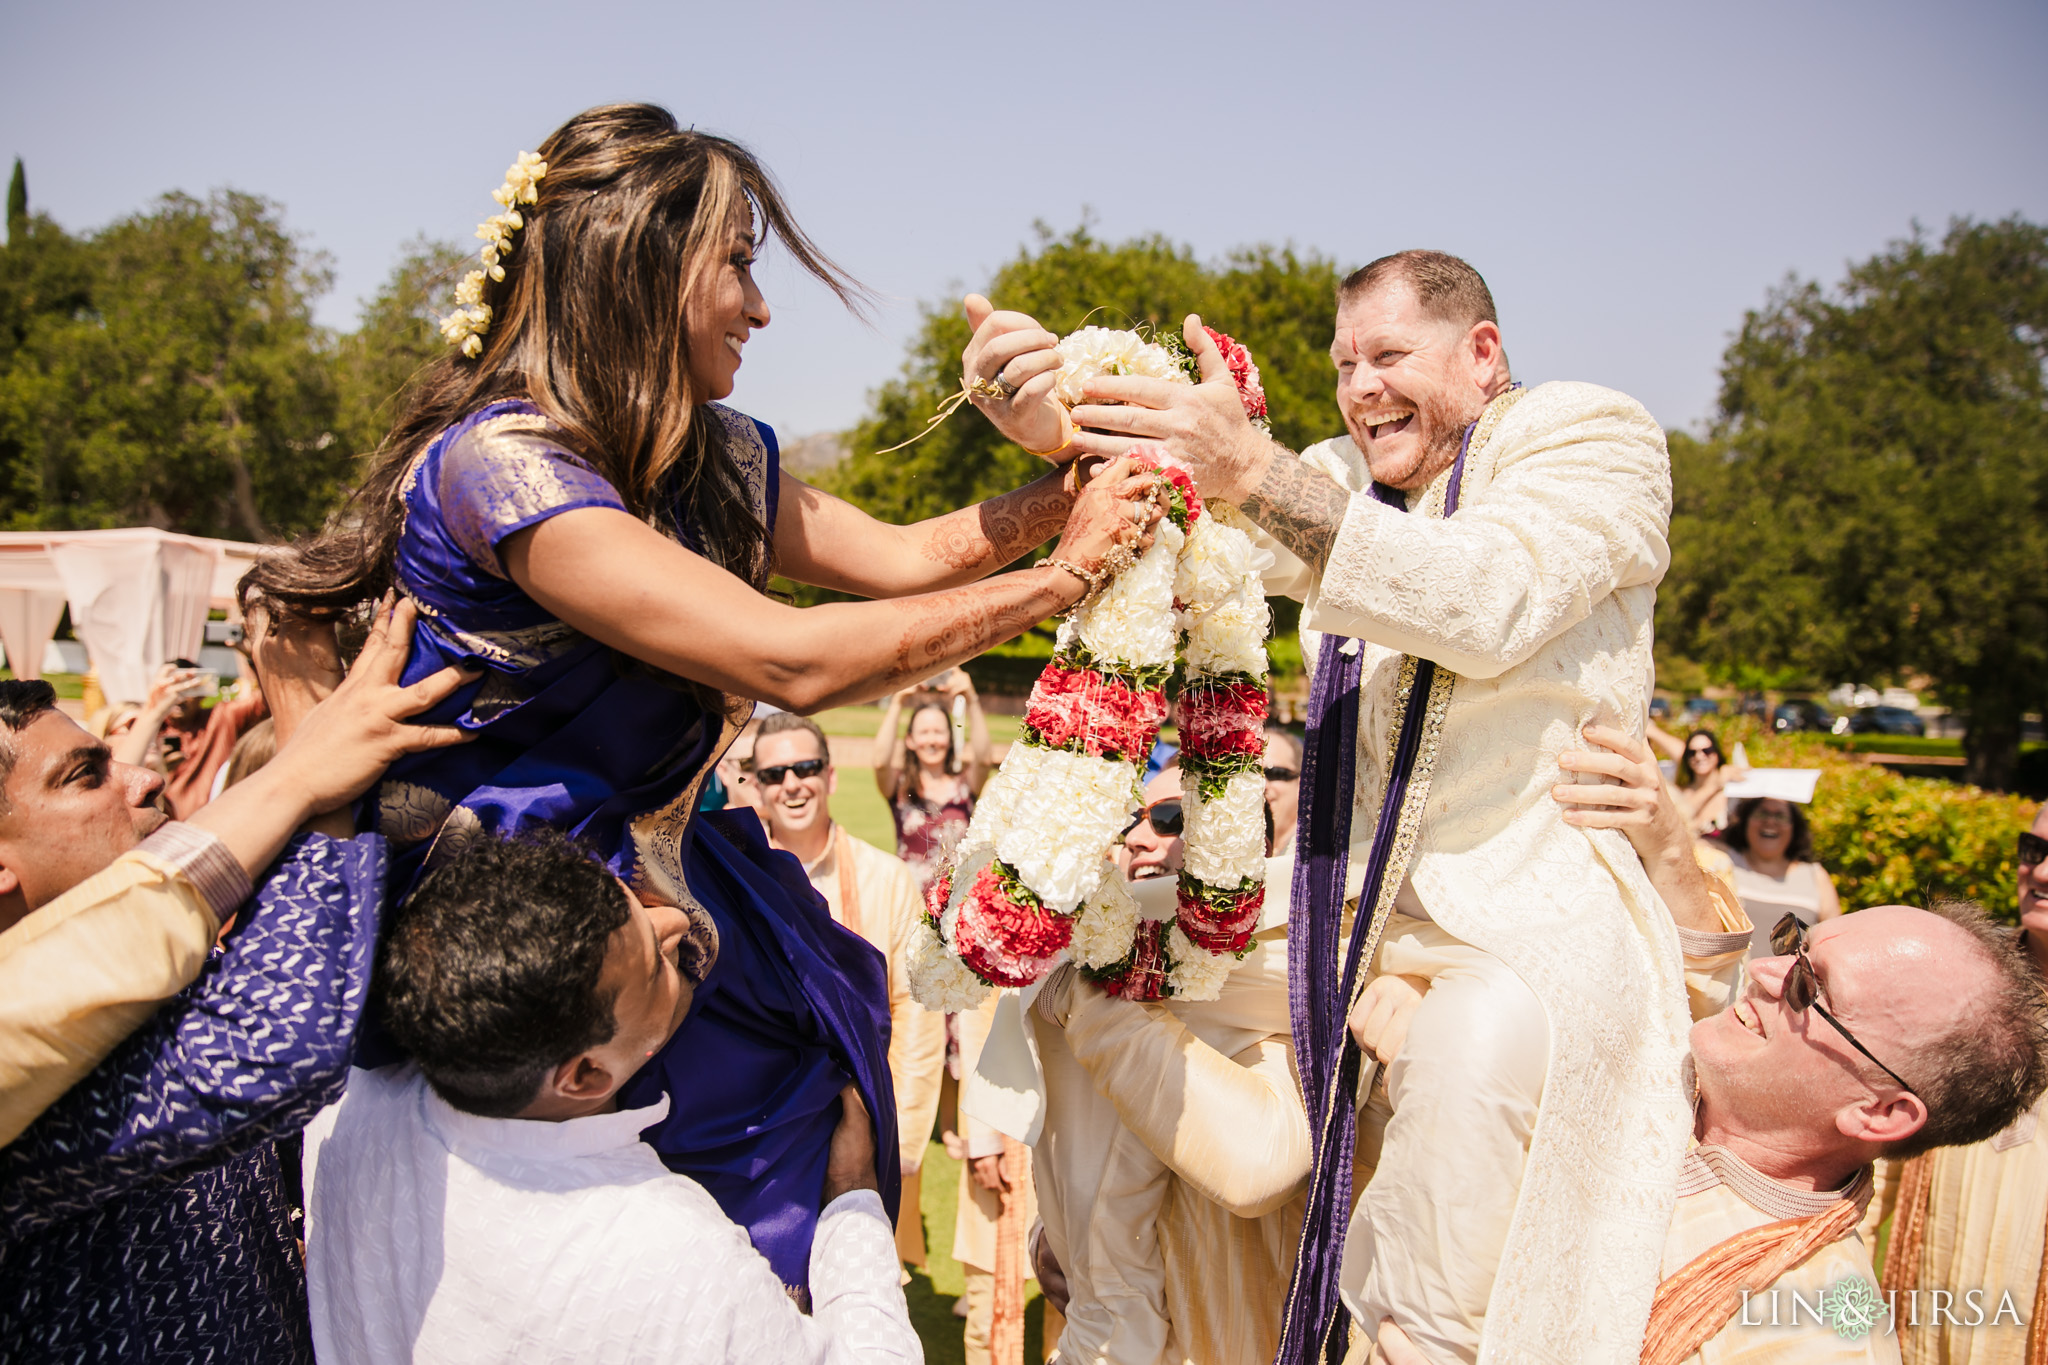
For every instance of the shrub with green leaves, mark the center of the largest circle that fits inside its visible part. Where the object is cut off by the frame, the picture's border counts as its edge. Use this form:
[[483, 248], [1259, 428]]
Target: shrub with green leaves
[[1895, 840]]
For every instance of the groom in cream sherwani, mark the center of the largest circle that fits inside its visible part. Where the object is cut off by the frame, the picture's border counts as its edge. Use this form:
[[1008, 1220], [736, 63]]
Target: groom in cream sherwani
[[1528, 1171]]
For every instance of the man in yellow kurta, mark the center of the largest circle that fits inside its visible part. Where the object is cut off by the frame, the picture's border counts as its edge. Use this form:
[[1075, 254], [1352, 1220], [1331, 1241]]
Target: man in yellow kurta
[[870, 892], [1969, 1222]]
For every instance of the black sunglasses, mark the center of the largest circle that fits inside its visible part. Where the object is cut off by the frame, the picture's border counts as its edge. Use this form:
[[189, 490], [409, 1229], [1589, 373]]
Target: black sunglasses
[[1802, 989], [1282, 774], [772, 777], [1166, 817], [2033, 850]]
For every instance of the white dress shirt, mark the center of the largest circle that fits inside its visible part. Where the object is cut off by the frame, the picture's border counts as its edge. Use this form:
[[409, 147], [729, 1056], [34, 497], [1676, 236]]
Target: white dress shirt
[[435, 1235]]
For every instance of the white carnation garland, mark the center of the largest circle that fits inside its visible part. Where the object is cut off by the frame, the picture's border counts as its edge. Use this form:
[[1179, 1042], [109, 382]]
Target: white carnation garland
[[1029, 881]]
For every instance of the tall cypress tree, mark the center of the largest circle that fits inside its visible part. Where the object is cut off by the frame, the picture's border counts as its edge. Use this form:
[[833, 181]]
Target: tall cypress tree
[[17, 205]]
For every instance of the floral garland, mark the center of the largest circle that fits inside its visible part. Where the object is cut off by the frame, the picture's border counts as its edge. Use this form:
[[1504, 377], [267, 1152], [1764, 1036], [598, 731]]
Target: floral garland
[[1030, 879], [466, 326]]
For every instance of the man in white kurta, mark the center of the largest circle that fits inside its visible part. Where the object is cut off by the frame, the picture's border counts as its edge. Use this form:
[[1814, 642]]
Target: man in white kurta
[[1538, 595], [491, 1201], [445, 1236]]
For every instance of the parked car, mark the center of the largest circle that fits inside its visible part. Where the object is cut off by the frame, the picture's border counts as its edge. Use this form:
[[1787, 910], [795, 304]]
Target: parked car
[[1886, 720], [1660, 708], [1799, 713], [1701, 707]]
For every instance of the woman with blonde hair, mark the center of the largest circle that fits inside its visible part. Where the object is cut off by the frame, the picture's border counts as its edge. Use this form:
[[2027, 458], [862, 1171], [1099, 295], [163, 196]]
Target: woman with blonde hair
[[590, 532]]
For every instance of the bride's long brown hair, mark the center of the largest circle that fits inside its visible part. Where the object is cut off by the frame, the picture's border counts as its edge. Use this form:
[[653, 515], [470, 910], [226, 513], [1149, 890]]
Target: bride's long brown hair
[[634, 216]]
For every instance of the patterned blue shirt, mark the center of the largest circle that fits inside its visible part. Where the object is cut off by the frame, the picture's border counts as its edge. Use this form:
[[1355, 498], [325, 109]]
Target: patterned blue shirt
[[143, 1217]]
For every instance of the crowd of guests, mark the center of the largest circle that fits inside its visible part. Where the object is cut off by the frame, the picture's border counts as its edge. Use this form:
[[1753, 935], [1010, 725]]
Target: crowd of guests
[[190, 1168]]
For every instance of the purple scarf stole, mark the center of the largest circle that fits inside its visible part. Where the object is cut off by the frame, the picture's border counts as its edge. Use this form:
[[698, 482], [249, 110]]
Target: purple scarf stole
[[1319, 996]]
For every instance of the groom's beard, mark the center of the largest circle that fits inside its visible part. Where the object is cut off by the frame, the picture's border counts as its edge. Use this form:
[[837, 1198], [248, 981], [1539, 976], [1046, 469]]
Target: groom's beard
[[1445, 422]]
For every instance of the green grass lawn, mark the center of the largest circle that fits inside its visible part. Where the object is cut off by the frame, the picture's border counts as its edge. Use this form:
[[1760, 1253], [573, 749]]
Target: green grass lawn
[[71, 686]]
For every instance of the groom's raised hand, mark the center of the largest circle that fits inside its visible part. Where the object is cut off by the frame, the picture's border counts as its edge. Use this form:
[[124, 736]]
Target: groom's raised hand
[[1203, 425], [1014, 348]]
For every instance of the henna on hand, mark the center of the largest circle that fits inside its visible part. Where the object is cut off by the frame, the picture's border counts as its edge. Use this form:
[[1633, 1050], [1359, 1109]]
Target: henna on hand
[[942, 629], [1301, 507], [996, 532]]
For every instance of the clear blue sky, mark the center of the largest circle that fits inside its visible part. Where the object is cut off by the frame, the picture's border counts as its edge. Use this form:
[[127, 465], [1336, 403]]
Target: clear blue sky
[[1629, 177]]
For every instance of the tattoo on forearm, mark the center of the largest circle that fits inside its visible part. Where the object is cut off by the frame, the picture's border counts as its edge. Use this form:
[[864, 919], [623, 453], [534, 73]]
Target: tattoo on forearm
[[943, 628], [1301, 507], [996, 532]]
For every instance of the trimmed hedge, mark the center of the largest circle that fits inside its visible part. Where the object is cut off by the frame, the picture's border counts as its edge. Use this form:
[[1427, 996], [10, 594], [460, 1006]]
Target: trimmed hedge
[[1895, 840]]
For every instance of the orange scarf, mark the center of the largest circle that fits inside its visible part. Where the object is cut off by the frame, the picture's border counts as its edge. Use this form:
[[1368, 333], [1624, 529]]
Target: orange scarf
[[1694, 1304]]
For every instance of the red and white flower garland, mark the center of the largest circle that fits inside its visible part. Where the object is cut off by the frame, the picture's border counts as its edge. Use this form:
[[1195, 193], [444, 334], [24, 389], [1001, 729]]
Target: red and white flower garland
[[1031, 878]]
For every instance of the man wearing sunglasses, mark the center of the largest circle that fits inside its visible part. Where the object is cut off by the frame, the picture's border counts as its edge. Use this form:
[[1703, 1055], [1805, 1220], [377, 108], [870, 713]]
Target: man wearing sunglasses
[[871, 892], [1972, 1217], [1283, 785]]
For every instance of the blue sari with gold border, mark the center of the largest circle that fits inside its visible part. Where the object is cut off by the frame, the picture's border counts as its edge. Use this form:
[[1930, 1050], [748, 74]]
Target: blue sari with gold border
[[572, 735]]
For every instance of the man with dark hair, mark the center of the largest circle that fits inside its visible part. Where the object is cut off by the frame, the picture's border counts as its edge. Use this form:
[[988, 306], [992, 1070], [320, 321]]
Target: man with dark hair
[[1478, 564], [868, 890], [491, 1200], [143, 1211]]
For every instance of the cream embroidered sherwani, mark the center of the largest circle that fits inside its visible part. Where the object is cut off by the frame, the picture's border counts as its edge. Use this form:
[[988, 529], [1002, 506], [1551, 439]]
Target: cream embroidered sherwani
[[1171, 1166], [1539, 596], [1987, 1213], [1175, 1148], [884, 909]]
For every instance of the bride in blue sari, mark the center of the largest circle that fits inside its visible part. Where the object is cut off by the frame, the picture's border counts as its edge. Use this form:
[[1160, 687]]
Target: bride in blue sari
[[584, 526]]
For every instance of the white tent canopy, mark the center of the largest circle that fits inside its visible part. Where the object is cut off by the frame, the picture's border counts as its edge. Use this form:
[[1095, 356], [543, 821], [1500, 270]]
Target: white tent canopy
[[138, 596]]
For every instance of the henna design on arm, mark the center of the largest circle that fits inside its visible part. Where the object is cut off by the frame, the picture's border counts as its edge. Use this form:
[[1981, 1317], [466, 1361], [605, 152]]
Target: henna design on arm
[[942, 629], [994, 533], [1300, 507]]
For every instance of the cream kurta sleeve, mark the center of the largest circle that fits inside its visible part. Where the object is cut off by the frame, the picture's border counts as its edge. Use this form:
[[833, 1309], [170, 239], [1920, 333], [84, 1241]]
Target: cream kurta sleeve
[[885, 908], [84, 971], [1232, 1128], [1714, 958], [1576, 508]]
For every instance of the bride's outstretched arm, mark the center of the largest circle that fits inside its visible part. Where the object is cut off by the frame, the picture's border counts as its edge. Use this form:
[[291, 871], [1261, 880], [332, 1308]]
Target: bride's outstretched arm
[[826, 541], [618, 580]]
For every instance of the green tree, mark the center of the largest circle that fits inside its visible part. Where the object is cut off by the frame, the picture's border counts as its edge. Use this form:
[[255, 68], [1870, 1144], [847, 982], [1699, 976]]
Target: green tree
[[45, 283], [192, 390], [17, 203], [1872, 500], [1275, 300], [396, 337]]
